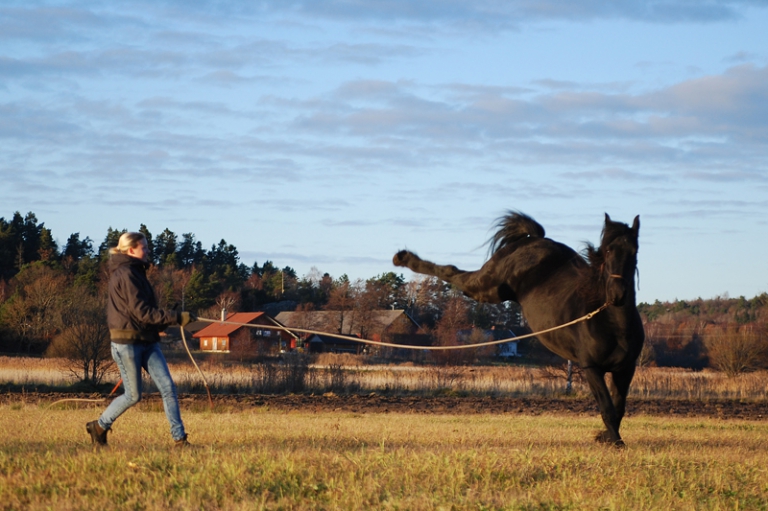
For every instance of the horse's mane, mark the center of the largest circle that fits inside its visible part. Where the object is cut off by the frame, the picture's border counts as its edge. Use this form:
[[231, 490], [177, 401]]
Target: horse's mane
[[513, 227]]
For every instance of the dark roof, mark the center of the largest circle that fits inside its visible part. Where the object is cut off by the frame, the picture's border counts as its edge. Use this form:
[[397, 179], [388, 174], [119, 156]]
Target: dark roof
[[327, 339], [329, 320]]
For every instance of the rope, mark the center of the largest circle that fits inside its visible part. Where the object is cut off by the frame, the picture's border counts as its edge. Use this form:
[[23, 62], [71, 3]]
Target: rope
[[184, 339], [585, 317], [186, 347], [77, 399], [99, 400]]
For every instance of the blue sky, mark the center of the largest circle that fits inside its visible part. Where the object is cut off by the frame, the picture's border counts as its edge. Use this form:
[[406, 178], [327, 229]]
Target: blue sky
[[331, 134]]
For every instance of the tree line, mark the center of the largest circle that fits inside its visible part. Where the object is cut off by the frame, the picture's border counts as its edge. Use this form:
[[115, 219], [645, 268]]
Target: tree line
[[52, 298], [729, 334]]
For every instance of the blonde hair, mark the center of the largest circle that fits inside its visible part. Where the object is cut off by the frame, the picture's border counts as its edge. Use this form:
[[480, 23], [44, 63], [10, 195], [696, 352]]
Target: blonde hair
[[127, 240]]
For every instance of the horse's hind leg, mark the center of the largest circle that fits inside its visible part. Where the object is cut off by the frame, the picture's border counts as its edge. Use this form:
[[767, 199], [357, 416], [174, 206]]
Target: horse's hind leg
[[479, 285], [596, 381], [419, 265]]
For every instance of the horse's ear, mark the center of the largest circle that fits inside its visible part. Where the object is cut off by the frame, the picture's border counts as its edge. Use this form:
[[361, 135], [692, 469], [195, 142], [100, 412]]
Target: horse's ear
[[636, 225], [607, 219]]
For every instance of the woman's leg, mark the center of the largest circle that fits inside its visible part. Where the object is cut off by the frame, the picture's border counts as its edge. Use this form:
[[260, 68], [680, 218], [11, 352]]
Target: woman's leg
[[128, 358], [158, 369]]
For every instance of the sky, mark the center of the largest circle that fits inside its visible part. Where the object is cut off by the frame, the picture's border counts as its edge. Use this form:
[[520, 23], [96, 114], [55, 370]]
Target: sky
[[329, 134]]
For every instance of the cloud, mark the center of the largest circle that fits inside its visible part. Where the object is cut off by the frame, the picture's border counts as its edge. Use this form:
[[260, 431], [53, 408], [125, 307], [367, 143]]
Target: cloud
[[700, 122], [614, 174], [703, 125], [491, 13], [39, 22], [44, 22], [740, 57]]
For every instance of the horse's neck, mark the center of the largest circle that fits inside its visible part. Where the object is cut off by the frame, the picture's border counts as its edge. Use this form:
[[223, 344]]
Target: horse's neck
[[626, 313]]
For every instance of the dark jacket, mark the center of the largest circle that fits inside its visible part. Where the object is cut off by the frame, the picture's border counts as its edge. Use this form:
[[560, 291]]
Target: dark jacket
[[132, 313]]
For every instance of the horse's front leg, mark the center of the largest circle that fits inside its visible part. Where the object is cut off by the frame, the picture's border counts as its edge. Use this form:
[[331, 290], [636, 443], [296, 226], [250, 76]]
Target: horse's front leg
[[478, 285], [619, 389], [596, 381]]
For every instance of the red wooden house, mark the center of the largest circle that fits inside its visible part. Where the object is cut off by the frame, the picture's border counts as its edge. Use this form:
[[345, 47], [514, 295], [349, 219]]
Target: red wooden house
[[232, 336]]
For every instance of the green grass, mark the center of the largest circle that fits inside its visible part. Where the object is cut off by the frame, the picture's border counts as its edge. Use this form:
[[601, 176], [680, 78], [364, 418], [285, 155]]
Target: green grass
[[261, 459]]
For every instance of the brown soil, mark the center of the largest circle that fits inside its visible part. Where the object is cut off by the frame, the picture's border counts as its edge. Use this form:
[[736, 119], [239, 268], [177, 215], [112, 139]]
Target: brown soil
[[374, 403]]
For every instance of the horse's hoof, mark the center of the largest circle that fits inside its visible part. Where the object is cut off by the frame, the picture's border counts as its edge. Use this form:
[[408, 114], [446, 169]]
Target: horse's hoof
[[604, 437], [399, 259]]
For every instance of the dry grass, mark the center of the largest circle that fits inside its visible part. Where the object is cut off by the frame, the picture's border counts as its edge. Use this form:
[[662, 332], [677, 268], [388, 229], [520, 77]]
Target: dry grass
[[702, 385], [30, 371], [259, 459], [345, 373]]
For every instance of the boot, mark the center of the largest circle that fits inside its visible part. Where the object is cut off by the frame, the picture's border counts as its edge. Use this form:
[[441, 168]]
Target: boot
[[181, 443], [98, 434]]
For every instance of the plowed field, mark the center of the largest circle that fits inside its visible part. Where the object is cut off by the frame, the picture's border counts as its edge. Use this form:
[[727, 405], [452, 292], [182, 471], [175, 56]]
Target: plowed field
[[374, 403]]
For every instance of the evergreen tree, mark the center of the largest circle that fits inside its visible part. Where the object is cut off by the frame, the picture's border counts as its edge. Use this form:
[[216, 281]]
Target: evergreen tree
[[150, 244], [77, 249], [190, 252], [49, 250], [111, 240], [20, 243], [7, 249], [165, 248]]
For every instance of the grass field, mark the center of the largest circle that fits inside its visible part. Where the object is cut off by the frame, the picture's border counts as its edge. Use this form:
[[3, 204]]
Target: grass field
[[262, 459]]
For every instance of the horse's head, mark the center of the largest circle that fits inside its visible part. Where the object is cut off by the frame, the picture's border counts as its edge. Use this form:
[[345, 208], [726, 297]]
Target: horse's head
[[618, 248]]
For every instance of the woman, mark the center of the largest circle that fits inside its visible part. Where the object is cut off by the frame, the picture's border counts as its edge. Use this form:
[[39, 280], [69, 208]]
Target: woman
[[135, 322]]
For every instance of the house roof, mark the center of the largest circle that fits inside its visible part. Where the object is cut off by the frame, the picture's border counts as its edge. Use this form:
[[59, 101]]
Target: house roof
[[326, 339], [328, 321], [226, 329]]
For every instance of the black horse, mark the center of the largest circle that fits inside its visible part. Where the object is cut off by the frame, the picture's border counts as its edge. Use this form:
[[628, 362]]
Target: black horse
[[554, 285]]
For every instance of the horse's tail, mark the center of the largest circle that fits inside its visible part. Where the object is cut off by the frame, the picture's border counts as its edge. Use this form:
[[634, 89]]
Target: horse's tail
[[513, 227]]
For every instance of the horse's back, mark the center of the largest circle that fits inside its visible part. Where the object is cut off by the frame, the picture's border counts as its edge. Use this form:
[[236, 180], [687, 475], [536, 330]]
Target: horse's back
[[531, 262]]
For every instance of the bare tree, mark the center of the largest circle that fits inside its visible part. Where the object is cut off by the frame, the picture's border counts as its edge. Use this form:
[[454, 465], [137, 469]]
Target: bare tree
[[306, 320], [427, 299], [455, 319], [342, 302], [735, 350], [31, 311], [367, 299], [169, 285], [84, 341], [18, 317], [242, 346], [228, 300], [648, 353]]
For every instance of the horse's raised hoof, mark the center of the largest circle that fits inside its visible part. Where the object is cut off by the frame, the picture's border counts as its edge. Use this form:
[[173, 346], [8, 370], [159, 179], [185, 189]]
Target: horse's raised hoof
[[400, 258]]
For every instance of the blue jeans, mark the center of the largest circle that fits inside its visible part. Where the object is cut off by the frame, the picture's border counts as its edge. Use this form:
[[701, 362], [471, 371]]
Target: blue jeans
[[130, 359]]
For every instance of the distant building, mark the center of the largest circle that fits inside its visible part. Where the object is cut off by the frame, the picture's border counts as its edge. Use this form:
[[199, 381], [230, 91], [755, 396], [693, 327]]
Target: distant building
[[505, 350], [231, 336], [376, 325], [319, 343]]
